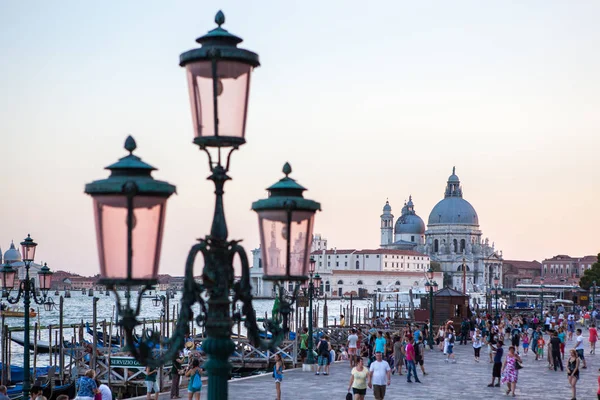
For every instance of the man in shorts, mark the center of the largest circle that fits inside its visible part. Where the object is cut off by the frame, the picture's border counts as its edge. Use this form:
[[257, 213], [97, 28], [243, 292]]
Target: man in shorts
[[323, 351], [352, 345], [378, 372], [579, 347], [304, 344]]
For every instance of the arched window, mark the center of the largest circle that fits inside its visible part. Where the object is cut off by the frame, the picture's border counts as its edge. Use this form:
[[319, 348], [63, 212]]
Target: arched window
[[436, 246], [398, 283], [462, 245], [327, 287], [412, 238], [378, 283], [357, 264], [340, 282], [359, 282], [455, 242]]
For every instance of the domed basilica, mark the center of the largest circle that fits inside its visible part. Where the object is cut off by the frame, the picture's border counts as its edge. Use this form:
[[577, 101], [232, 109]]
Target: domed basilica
[[452, 239]]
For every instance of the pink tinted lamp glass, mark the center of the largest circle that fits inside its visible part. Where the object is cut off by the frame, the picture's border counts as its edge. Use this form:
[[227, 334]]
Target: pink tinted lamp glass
[[111, 232], [28, 252], [45, 281], [8, 279], [274, 237], [233, 87]]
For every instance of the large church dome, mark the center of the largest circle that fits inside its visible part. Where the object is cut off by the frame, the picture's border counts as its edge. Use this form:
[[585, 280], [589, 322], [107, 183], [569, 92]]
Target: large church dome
[[12, 254], [409, 221], [453, 209]]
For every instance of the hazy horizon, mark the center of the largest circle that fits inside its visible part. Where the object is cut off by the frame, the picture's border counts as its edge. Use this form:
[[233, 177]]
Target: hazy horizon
[[367, 103]]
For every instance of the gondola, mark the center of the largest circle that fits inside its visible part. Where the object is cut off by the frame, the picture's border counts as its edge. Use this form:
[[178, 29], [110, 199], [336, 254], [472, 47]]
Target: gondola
[[42, 346], [116, 339]]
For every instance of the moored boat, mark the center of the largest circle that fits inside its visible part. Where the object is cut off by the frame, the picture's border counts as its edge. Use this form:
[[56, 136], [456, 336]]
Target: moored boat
[[15, 312]]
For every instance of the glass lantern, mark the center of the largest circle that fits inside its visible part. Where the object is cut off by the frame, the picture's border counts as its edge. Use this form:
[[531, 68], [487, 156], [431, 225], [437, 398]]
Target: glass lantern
[[45, 279], [9, 275], [28, 249], [285, 223], [129, 209], [218, 75]]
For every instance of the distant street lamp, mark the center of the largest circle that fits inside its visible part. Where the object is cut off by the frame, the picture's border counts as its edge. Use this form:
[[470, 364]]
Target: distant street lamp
[[310, 359], [542, 301], [27, 290], [431, 286], [130, 206], [496, 292], [594, 296]]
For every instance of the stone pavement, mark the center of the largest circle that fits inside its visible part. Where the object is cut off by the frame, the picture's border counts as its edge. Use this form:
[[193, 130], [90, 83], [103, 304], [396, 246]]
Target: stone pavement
[[466, 378]]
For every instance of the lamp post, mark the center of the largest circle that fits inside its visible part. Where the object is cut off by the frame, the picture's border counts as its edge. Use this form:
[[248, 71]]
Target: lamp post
[[157, 301], [496, 292], [130, 204], [542, 301], [310, 359], [594, 296], [431, 286], [27, 290]]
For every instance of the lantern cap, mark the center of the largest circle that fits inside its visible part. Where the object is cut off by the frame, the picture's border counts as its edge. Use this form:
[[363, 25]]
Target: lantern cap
[[220, 44], [45, 270], [127, 169], [286, 194], [7, 268], [28, 242]]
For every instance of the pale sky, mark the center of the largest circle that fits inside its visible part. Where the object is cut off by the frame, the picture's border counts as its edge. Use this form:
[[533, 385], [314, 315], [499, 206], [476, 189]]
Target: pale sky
[[366, 101]]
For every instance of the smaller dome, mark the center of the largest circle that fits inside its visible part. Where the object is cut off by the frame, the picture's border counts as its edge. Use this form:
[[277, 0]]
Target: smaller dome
[[387, 206], [453, 178], [410, 223], [12, 254]]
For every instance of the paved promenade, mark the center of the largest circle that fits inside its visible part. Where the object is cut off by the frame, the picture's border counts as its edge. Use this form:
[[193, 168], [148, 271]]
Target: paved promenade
[[444, 381]]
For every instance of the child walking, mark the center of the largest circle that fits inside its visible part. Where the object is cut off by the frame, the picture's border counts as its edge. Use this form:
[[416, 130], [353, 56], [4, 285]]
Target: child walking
[[278, 374]]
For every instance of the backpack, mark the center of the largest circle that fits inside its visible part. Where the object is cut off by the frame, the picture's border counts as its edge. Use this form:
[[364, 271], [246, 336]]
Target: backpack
[[323, 349], [196, 382], [418, 350], [451, 338]]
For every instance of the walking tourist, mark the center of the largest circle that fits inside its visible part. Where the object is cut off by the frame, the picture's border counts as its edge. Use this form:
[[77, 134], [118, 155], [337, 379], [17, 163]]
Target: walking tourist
[[304, 344], [3, 392], [358, 380], [525, 343], [278, 374], [497, 368], [194, 372], [380, 343], [450, 347], [352, 347], [573, 372], [420, 355], [441, 337], [464, 331], [411, 361], [175, 375], [540, 343], [323, 351], [562, 336], [104, 391], [87, 386], [379, 375], [37, 391], [398, 355], [510, 370], [555, 346], [477, 343], [593, 338], [580, 348], [151, 383]]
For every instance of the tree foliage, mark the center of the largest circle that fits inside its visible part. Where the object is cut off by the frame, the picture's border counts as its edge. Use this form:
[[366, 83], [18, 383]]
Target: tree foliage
[[591, 275], [436, 266]]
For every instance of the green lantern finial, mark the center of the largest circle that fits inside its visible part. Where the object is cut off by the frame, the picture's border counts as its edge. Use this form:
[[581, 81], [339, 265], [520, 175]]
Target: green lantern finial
[[220, 18], [130, 144], [287, 169]]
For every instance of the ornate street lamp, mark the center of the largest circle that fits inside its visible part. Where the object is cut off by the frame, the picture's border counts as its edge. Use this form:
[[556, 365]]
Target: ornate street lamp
[[496, 292], [130, 209], [27, 290]]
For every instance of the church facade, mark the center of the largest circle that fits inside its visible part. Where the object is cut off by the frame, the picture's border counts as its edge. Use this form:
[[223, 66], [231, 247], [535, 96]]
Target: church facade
[[452, 238]]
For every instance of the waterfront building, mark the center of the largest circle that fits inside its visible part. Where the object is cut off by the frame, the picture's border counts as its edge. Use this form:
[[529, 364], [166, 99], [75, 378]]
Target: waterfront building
[[452, 238], [516, 272], [566, 268]]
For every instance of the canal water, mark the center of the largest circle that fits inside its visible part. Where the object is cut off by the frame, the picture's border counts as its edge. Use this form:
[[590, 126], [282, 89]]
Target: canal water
[[80, 308]]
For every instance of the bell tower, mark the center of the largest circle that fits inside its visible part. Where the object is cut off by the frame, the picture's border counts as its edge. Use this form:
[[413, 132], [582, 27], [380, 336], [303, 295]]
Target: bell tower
[[387, 225]]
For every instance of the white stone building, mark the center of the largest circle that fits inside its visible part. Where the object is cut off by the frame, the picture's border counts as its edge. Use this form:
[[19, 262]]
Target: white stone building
[[452, 238]]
